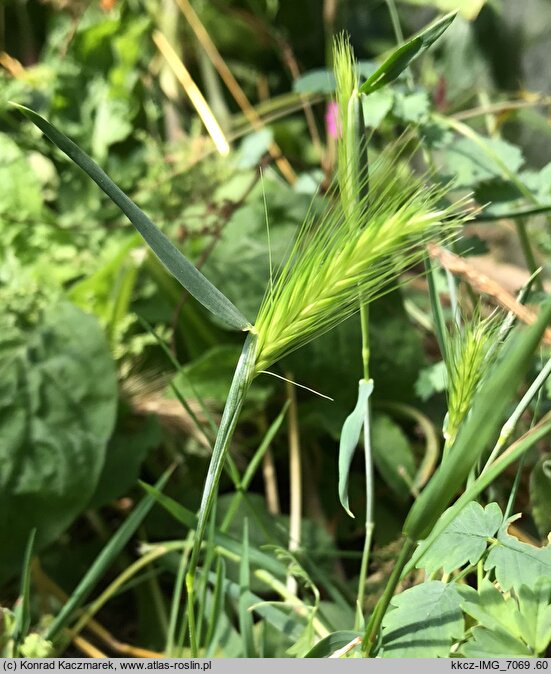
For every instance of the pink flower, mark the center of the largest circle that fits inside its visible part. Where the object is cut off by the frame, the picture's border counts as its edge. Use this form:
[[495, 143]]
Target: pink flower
[[332, 120]]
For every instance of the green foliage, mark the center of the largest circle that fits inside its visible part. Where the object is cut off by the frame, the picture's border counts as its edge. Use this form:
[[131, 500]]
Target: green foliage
[[178, 265], [400, 59], [66, 251], [422, 622], [540, 494], [393, 456], [350, 436], [463, 541], [516, 563], [507, 625], [58, 402], [468, 8], [469, 163]]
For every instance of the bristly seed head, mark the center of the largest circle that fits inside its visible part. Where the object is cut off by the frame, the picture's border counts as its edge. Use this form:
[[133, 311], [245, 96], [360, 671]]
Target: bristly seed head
[[339, 258]]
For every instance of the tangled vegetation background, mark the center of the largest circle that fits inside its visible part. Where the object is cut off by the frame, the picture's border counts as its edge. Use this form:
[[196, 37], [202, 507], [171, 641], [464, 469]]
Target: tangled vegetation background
[[216, 118]]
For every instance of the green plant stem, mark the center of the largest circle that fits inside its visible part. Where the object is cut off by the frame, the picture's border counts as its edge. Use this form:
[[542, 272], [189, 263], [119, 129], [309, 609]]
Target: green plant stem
[[374, 625], [176, 598], [295, 478], [236, 397], [369, 523], [527, 251], [511, 423]]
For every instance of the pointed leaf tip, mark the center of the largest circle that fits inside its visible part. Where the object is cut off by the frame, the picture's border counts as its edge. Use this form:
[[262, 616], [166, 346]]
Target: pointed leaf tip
[[171, 257]]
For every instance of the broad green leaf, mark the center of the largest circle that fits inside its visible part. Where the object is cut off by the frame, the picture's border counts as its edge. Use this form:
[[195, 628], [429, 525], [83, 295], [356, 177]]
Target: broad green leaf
[[392, 455], [495, 643], [133, 438], [331, 643], [470, 164], [254, 147], [411, 108], [176, 263], [58, 401], [462, 541], [491, 609], [534, 619], [319, 81], [376, 106], [402, 57], [540, 494], [431, 380], [516, 563], [508, 625], [350, 436], [423, 622], [490, 405], [467, 8]]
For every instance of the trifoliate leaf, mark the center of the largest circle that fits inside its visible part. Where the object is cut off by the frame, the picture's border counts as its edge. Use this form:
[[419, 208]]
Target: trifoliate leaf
[[423, 622], [464, 540]]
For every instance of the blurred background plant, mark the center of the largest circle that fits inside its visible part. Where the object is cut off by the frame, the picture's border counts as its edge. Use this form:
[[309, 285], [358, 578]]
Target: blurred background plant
[[215, 117]]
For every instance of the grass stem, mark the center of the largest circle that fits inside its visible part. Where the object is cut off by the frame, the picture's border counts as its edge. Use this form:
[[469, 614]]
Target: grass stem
[[374, 625], [295, 476]]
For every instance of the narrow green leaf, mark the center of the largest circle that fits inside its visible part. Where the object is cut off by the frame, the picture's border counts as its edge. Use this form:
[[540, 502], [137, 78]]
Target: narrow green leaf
[[331, 643], [22, 611], [236, 397], [103, 561], [350, 436], [402, 57], [211, 640], [245, 617], [225, 542], [437, 311], [176, 263], [476, 433]]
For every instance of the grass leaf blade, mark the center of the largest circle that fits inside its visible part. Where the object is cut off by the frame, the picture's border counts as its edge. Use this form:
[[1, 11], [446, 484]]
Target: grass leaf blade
[[104, 559], [350, 436], [23, 609], [245, 617], [176, 263], [401, 58]]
